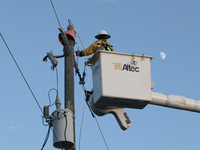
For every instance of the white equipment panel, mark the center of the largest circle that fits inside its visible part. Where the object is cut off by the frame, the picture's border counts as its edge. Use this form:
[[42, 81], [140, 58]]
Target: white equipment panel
[[121, 80]]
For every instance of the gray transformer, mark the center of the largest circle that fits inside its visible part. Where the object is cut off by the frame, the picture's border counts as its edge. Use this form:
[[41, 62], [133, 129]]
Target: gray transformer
[[63, 128]]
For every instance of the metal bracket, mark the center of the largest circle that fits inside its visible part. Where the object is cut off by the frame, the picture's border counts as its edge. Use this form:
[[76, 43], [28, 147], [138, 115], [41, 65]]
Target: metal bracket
[[143, 57], [133, 56]]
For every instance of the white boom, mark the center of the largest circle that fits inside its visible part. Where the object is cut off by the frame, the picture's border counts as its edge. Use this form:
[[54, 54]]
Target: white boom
[[166, 100], [174, 101]]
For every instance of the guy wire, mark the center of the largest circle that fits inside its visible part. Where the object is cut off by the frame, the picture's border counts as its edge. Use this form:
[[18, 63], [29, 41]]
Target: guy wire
[[21, 73]]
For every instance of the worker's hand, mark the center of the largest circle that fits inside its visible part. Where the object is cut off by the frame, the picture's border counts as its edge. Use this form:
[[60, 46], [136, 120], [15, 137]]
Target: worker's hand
[[79, 53]]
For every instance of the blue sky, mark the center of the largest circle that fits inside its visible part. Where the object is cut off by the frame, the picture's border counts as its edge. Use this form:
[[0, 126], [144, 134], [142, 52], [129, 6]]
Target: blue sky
[[145, 27]]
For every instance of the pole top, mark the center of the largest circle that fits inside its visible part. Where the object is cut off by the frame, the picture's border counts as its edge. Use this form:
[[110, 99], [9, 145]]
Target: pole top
[[70, 35]]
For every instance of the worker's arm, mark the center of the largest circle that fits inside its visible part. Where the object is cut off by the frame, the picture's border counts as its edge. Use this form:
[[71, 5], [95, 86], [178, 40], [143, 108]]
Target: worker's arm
[[90, 50]]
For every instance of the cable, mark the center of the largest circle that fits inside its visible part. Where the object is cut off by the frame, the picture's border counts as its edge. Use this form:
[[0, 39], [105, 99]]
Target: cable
[[50, 98], [21, 73], [57, 77], [66, 131], [81, 126], [43, 122], [32, 92], [65, 127], [55, 13], [80, 39], [47, 136], [85, 89], [101, 133], [53, 89], [92, 115]]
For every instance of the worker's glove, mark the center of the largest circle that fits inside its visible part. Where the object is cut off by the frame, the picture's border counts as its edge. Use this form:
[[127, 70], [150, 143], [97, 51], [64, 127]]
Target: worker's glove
[[79, 53]]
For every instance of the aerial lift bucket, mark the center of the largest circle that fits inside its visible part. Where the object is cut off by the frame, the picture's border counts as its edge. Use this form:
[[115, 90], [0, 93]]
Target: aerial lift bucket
[[120, 81]]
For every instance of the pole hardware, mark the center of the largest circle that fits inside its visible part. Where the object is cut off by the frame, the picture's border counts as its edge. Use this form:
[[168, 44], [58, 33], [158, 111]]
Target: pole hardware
[[143, 57], [57, 103], [52, 58], [88, 94], [46, 111], [48, 118], [82, 79], [64, 37], [87, 97], [133, 56], [60, 56]]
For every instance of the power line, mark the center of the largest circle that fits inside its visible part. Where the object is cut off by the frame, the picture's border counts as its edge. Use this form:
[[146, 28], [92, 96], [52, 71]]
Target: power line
[[85, 89], [101, 133], [93, 117], [55, 13], [81, 126], [21, 73]]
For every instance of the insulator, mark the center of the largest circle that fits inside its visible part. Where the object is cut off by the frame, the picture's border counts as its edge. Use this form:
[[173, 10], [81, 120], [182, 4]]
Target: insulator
[[53, 60]]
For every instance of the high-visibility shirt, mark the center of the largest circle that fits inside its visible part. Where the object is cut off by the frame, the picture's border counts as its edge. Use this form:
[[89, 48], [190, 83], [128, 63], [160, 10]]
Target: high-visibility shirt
[[99, 45], [104, 46]]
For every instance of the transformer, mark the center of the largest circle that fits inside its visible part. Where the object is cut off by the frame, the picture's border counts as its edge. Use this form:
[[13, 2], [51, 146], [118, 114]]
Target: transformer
[[63, 128]]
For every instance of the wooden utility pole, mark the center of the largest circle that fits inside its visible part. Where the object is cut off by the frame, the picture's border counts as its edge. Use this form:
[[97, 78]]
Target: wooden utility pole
[[69, 79]]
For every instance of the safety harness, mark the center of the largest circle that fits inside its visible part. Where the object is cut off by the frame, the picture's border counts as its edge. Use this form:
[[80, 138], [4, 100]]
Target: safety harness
[[104, 46]]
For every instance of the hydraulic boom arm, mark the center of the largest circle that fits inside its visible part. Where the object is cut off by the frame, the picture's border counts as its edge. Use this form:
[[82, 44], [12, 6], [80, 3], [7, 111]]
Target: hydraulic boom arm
[[174, 101]]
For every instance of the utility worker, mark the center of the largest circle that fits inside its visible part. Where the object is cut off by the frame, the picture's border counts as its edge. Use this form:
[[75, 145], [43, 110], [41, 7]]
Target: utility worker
[[101, 44]]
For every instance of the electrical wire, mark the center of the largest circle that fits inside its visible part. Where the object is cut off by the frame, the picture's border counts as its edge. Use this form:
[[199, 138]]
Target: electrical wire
[[85, 89], [43, 122], [50, 97], [55, 13], [53, 89], [21, 73], [32, 92], [47, 136], [65, 127], [81, 126], [50, 121], [80, 39], [65, 132], [57, 77], [101, 133]]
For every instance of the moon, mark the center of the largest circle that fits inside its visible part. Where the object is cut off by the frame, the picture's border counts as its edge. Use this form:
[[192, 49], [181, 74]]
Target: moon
[[162, 55]]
